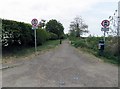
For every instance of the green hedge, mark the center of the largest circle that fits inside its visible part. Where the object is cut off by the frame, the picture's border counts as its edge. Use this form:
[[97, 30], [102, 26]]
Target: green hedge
[[16, 34], [42, 36]]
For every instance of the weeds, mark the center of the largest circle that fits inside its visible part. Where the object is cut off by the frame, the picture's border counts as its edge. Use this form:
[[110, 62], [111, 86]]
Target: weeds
[[90, 44]]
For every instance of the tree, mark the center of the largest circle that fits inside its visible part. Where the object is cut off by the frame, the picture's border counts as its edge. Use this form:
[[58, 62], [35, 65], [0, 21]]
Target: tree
[[55, 27], [78, 27], [42, 23]]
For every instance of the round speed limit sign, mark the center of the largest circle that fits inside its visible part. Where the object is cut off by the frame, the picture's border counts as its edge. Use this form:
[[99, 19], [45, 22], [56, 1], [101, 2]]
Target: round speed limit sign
[[34, 22]]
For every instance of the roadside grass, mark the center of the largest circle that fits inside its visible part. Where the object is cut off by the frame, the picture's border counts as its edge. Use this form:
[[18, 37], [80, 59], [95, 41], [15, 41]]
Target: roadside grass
[[23, 52], [90, 45], [48, 45], [111, 59]]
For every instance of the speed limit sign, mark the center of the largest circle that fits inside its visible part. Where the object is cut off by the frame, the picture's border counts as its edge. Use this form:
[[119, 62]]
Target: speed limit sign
[[105, 23], [34, 22]]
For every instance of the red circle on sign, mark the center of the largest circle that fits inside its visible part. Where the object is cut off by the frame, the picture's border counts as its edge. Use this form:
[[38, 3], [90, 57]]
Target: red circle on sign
[[34, 22], [105, 23]]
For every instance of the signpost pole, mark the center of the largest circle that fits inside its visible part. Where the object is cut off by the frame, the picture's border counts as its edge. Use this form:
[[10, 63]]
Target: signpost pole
[[104, 36], [105, 24], [34, 26], [35, 41]]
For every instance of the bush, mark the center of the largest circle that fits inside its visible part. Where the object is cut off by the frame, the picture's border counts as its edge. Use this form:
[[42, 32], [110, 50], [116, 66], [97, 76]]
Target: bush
[[52, 36], [42, 36], [111, 51], [79, 43], [16, 34]]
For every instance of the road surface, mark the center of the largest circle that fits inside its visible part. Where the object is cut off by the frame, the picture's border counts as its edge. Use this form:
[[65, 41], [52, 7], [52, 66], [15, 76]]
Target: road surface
[[63, 66]]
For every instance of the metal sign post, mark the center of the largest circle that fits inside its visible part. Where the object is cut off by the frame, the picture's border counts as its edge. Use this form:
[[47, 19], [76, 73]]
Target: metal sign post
[[34, 27], [35, 41], [105, 24], [104, 36]]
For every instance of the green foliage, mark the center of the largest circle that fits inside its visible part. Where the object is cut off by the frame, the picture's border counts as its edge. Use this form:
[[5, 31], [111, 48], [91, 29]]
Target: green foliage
[[18, 52], [16, 34], [64, 36], [20, 34], [79, 43], [53, 36], [91, 44], [55, 27], [42, 36], [72, 33]]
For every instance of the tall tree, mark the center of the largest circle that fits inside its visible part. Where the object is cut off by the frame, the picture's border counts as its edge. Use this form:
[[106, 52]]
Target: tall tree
[[42, 23], [55, 27], [78, 26]]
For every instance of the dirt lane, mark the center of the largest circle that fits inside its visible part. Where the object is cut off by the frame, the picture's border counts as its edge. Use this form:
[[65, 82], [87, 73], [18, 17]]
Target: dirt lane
[[62, 67]]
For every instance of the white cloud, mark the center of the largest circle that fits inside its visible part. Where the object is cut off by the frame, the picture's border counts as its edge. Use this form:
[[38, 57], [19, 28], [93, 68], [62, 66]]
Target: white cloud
[[62, 10], [45, 7]]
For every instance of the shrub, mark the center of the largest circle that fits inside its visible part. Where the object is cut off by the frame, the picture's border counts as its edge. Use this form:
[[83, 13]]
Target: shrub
[[16, 33], [79, 43], [52, 36], [42, 36]]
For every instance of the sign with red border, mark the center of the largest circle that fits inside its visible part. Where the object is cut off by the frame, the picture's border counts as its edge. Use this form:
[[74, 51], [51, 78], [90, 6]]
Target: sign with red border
[[34, 22], [105, 23]]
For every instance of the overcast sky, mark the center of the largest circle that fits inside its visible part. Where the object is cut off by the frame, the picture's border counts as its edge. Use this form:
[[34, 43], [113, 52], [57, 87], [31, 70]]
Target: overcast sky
[[92, 11]]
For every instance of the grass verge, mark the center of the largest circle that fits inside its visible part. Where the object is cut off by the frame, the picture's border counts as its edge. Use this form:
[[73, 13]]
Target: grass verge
[[17, 53], [101, 57], [90, 45]]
